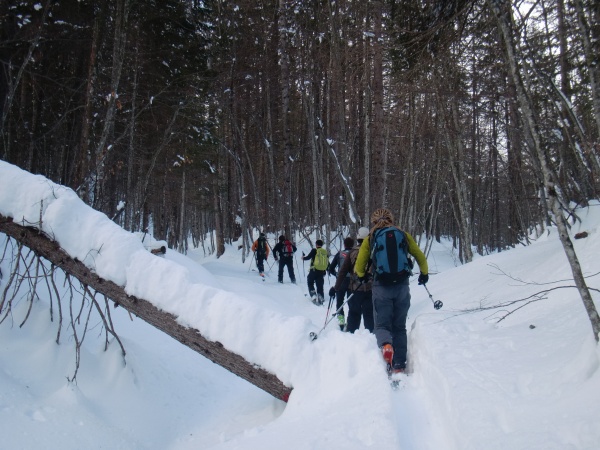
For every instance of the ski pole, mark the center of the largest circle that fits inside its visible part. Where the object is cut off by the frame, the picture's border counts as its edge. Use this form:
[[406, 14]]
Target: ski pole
[[331, 297], [296, 261], [252, 259], [312, 335], [272, 253], [437, 304], [303, 271]]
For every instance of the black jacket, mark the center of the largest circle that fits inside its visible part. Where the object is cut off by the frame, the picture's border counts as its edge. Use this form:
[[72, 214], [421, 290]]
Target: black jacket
[[335, 262], [278, 250]]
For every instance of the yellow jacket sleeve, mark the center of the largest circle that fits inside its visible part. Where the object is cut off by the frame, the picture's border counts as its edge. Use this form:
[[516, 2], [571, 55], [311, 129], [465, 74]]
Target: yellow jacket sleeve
[[362, 260], [414, 250]]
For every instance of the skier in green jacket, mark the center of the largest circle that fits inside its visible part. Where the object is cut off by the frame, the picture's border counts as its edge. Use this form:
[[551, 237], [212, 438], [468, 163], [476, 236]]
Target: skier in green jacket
[[391, 300]]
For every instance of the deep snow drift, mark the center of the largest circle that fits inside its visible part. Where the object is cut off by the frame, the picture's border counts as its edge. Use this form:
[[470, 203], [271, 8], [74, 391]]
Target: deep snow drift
[[529, 381]]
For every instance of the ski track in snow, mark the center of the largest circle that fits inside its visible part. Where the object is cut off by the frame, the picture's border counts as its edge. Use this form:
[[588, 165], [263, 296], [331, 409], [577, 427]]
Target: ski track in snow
[[411, 414]]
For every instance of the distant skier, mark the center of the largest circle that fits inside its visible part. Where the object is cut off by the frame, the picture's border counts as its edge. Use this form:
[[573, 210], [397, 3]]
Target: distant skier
[[319, 261], [260, 247], [284, 253]]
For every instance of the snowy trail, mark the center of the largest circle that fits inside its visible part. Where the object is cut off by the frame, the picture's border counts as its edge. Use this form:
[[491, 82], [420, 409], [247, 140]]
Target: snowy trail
[[530, 382], [413, 418], [415, 427]]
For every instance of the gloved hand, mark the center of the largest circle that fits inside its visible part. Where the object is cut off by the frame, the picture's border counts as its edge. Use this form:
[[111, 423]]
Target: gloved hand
[[332, 292], [365, 278], [423, 278]]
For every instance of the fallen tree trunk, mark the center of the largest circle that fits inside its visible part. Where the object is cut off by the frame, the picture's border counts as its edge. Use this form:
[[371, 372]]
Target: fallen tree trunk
[[164, 321]]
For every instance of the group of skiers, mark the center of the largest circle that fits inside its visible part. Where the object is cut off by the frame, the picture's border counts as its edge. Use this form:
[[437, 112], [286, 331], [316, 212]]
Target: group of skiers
[[283, 252], [373, 276]]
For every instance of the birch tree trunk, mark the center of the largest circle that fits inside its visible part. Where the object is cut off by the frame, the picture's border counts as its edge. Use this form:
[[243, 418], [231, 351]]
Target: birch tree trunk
[[309, 109], [503, 13], [337, 143], [118, 57], [457, 165], [86, 123]]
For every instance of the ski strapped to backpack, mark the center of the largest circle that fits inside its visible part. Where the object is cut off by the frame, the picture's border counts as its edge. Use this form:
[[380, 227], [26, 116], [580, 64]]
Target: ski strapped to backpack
[[321, 260], [389, 249]]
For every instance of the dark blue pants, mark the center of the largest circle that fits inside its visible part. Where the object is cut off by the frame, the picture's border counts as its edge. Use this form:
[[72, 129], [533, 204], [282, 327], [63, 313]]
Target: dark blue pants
[[390, 308], [360, 305], [339, 295], [260, 260], [289, 263]]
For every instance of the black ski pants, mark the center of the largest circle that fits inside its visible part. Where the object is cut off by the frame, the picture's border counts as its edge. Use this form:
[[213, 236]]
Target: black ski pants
[[360, 305], [289, 263], [316, 277], [260, 262], [339, 295]]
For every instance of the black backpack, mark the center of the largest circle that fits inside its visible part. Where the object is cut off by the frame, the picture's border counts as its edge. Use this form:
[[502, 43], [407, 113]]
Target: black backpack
[[389, 256], [261, 249]]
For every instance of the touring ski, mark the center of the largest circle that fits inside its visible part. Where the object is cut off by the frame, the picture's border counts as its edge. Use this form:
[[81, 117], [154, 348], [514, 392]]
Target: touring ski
[[395, 377]]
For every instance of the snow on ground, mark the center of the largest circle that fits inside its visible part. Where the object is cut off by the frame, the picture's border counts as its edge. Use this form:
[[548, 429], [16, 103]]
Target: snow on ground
[[529, 381]]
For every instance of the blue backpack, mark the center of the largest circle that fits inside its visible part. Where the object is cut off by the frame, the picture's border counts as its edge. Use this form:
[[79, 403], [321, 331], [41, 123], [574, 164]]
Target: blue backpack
[[389, 256]]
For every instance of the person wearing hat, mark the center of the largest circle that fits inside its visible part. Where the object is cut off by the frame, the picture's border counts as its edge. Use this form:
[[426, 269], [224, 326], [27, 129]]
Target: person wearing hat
[[260, 247], [360, 304], [319, 263], [391, 299], [284, 253]]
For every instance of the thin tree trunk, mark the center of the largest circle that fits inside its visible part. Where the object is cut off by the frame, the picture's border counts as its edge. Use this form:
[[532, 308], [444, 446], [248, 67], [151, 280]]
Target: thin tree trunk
[[284, 62], [378, 196], [502, 12], [182, 235], [457, 161], [591, 48], [86, 123], [367, 134], [13, 85], [118, 58], [133, 199]]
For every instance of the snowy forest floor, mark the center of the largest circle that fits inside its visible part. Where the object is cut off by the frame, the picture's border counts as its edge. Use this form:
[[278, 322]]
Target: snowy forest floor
[[529, 381]]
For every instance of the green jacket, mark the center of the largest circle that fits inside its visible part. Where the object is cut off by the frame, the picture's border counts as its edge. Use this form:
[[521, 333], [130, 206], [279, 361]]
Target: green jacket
[[362, 260]]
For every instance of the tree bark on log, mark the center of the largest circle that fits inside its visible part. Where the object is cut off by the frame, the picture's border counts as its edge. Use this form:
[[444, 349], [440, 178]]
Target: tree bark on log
[[164, 321]]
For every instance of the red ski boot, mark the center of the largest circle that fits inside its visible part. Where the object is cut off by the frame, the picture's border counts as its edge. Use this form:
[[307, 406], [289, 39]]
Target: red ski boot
[[388, 353]]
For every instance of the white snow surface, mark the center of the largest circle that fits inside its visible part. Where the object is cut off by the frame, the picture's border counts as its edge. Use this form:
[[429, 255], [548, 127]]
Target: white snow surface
[[529, 381]]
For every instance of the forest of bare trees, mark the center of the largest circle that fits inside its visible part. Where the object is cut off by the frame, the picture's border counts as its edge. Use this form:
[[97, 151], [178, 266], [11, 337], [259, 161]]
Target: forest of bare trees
[[477, 121]]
